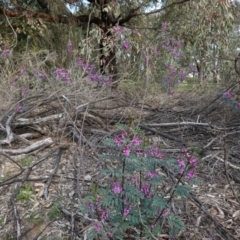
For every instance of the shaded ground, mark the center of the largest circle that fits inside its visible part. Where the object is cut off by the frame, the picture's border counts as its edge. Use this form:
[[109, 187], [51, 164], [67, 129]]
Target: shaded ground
[[49, 158]]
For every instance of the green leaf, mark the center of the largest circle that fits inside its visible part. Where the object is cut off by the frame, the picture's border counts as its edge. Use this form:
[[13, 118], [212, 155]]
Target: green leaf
[[159, 202], [175, 222], [182, 190]]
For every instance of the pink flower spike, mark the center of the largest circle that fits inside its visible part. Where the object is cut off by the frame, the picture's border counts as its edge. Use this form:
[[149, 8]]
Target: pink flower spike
[[104, 215], [126, 44], [153, 225], [136, 141], [126, 210], [18, 108], [118, 140], [126, 151], [228, 94], [146, 189], [117, 188], [117, 29], [191, 174], [193, 161], [181, 162], [97, 227], [152, 174]]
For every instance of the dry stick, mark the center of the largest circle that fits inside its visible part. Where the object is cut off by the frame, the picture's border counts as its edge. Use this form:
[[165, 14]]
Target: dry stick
[[17, 220], [47, 185], [72, 226], [10, 135], [26, 121]]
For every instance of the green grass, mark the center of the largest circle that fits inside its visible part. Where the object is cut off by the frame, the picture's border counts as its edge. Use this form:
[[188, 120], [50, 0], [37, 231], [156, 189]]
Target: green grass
[[26, 161], [26, 194]]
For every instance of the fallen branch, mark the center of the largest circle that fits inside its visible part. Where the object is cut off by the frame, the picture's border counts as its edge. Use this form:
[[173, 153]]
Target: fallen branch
[[31, 121], [42, 143]]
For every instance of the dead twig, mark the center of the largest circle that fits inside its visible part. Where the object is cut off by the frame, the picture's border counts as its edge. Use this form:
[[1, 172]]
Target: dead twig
[[56, 165]]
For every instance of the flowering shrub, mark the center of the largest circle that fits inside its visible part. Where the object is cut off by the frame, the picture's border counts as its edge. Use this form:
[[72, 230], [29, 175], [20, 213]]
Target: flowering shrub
[[133, 202]]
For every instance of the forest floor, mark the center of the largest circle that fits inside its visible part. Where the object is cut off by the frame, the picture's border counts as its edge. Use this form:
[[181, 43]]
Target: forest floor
[[49, 159]]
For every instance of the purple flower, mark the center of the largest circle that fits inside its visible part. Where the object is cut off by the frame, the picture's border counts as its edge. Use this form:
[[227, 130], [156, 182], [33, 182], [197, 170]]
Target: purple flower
[[191, 174], [193, 161], [117, 188], [25, 90], [118, 140], [18, 108], [146, 189], [90, 206], [126, 151], [126, 210], [97, 227], [164, 26], [238, 105], [22, 71], [126, 44], [183, 75], [94, 77], [170, 91], [147, 59], [152, 174], [80, 62], [42, 75], [155, 152], [5, 53], [104, 215], [62, 74], [136, 141], [117, 29], [181, 162], [153, 225], [193, 68], [165, 212], [69, 47], [228, 94]]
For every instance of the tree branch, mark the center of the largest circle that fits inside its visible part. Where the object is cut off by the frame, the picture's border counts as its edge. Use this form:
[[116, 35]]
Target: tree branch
[[79, 20]]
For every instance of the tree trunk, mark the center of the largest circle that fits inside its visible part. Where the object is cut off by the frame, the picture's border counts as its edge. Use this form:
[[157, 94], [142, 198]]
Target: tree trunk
[[110, 13]]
